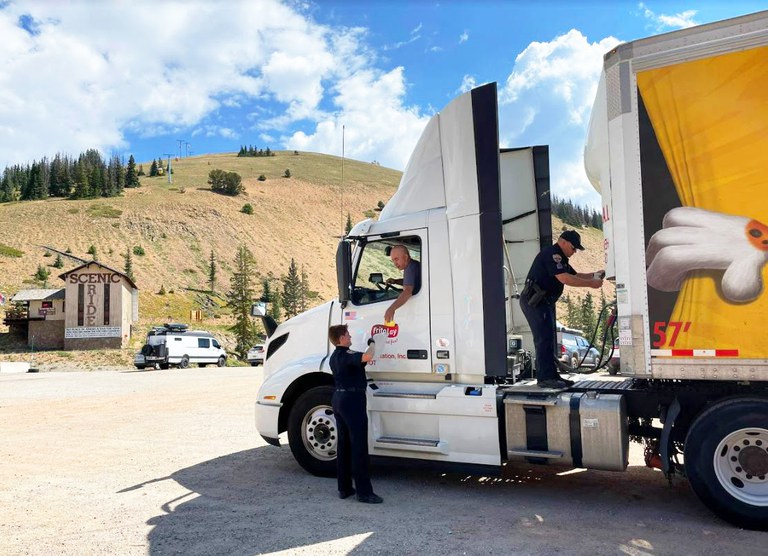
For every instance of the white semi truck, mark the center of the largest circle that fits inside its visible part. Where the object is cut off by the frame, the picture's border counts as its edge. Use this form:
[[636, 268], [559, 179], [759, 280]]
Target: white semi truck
[[677, 146]]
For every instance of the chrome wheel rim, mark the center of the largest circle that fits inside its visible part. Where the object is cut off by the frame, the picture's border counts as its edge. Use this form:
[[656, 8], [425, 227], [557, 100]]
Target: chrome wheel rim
[[741, 465], [319, 433]]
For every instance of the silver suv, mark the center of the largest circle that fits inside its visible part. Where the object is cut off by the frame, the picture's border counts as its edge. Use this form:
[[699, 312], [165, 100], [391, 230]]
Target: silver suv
[[572, 348]]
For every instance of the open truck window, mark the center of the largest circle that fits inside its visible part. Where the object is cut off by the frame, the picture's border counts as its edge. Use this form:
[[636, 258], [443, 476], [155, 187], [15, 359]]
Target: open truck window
[[375, 267]]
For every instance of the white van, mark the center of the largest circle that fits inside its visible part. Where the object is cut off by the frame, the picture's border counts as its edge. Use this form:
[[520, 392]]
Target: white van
[[173, 344]]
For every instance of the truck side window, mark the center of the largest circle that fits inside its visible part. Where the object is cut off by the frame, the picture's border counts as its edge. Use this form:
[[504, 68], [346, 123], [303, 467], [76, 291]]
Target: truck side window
[[375, 267], [203, 343]]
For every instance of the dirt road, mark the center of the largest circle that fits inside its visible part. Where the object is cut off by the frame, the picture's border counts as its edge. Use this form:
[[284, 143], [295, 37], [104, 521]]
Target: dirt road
[[168, 462]]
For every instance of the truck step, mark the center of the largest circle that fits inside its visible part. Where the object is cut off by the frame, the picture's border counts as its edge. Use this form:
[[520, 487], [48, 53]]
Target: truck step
[[534, 453], [411, 444], [411, 395], [616, 385]]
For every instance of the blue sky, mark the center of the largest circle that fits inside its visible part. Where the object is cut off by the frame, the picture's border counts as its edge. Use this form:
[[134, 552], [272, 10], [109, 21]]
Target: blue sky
[[136, 77]]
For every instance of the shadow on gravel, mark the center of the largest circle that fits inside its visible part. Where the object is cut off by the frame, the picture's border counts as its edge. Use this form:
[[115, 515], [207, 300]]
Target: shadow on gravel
[[260, 501]]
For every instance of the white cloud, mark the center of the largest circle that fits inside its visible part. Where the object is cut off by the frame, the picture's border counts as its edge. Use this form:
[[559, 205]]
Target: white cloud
[[464, 37], [152, 68], [547, 98], [414, 36], [468, 82], [377, 125], [666, 22]]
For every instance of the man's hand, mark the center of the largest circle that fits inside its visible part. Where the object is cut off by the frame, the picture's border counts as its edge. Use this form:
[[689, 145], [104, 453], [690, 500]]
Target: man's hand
[[389, 315]]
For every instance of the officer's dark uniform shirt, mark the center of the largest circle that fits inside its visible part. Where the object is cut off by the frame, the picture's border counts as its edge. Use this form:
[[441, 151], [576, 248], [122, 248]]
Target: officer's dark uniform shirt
[[348, 368], [549, 263]]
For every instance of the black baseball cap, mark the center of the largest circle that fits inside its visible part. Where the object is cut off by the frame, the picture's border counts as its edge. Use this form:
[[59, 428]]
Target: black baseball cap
[[574, 237]]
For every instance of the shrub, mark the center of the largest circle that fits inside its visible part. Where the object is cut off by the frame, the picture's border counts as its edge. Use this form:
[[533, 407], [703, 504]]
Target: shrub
[[47, 254], [247, 208], [92, 251], [42, 273], [262, 177], [8, 251], [162, 290], [138, 250], [228, 183], [287, 173]]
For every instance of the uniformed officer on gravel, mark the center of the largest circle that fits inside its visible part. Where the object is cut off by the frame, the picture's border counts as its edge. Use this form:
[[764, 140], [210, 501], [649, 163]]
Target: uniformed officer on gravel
[[349, 406]]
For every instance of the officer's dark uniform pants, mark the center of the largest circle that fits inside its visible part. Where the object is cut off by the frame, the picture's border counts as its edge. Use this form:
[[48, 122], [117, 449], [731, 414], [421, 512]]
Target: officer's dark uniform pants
[[352, 455], [542, 322]]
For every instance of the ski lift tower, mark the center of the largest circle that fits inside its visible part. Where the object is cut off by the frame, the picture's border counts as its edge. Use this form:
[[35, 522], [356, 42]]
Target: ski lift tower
[[169, 155]]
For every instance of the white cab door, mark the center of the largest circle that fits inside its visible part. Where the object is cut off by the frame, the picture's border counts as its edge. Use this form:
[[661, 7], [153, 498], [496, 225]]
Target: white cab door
[[407, 347]]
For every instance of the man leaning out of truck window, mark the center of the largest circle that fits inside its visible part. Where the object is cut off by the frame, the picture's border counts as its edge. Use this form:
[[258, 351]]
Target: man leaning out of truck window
[[411, 280]]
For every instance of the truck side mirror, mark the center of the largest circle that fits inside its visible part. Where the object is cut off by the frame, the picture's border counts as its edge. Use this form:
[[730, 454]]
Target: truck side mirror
[[258, 309], [344, 271], [376, 278]]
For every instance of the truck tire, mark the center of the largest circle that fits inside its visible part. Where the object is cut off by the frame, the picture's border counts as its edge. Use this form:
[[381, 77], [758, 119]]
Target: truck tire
[[312, 432], [146, 350], [613, 370], [140, 367], [184, 363], [726, 460], [164, 366], [221, 362]]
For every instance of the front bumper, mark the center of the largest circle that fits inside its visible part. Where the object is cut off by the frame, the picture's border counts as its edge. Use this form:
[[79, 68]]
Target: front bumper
[[267, 421]]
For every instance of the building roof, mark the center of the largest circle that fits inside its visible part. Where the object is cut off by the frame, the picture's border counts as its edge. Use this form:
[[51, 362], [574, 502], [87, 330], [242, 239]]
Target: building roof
[[37, 295], [97, 263]]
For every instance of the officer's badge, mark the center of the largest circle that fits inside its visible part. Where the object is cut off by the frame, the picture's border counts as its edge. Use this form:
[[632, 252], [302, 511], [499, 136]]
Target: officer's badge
[[557, 258]]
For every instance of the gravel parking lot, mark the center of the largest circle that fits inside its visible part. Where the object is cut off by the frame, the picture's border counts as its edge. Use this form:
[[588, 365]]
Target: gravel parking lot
[[168, 462]]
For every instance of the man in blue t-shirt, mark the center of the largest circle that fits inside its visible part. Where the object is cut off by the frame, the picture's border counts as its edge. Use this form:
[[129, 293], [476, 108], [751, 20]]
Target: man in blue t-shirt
[[550, 272], [411, 280]]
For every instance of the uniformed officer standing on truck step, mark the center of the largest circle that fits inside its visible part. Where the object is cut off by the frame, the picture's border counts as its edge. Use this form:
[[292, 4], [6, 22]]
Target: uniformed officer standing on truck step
[[548, 275], [349, 406]]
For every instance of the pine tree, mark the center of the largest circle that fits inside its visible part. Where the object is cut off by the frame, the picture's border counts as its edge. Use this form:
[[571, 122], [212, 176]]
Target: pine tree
[[275, 309], [128, 269], [240, 298], [153, 169], [58, 263], [212, 273], [92, 252], [348, 227], [291, 296], [587, 318], [304, 291], [42, 274], [131, 177]]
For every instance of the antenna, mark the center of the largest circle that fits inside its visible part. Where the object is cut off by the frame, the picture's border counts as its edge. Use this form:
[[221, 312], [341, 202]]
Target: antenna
[[169, 155], [341, 186]]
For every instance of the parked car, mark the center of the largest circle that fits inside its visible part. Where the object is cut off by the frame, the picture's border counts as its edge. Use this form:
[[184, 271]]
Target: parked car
[[173, 344], [255, 355], [573, 347], [614, 365]]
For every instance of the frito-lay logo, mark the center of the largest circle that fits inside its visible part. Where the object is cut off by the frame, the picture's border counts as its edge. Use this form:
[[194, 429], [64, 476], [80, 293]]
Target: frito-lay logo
[[391, 331]]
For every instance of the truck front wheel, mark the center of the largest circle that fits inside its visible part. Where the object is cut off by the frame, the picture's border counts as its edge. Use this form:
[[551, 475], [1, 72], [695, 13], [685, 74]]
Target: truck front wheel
[[726, 460], [312, 432]]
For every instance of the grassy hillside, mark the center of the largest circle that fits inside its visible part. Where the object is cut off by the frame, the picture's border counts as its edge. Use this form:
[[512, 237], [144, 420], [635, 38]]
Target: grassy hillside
[[179, 224]]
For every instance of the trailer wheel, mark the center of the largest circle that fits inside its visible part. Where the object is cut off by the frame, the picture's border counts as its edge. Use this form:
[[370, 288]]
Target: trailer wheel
[[312, 432], [726, 460], [184, 363]]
